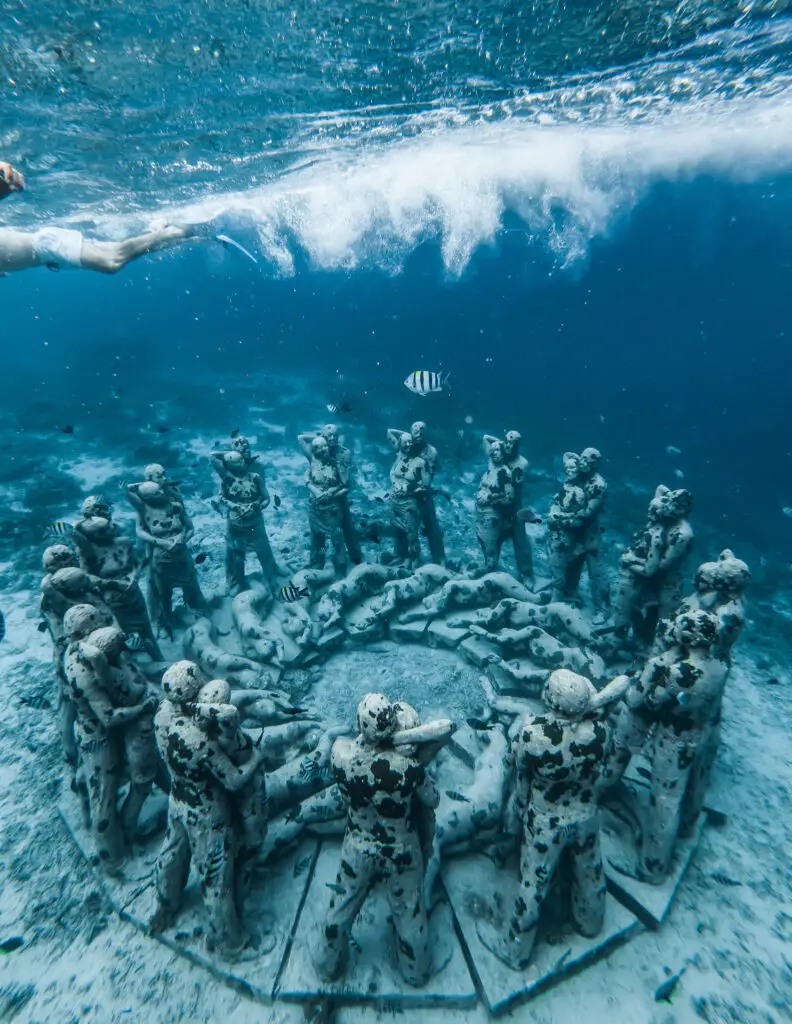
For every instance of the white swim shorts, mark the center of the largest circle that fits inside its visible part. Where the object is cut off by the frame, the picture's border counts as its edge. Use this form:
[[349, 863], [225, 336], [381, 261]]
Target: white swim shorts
[[58, 248]]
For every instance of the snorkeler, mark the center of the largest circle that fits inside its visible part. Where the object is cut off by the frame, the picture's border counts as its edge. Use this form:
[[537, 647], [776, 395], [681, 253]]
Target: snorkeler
[[64, 248]]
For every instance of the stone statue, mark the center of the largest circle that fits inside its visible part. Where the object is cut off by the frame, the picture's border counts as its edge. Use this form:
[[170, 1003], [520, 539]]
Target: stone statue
[[200, 645], [326, 490], [518, 464], [249, 610], [559, 757], [107, 553], [556, 617], [342, 459], [387, 791], [495, 504], [166, 528], [650, 580], [363, 581], [596, 489], [400, 593], [425, 499], [201, 824], [719, 588], [565, 532], [244, 495], [102, 713], [461, 593], [671, 711], [545, 650], [409, 479]]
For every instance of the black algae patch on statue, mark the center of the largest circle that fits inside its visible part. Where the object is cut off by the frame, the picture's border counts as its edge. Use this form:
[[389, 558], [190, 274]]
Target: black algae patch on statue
[[2, 627], [12, 944], [201, 558]]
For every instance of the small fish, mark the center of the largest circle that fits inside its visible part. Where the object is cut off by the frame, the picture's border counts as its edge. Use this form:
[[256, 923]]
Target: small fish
[[68, 429], [309, 770], [290, 593], [477, 723], [40, 702], [234, 432], [9, 945], [679, 473], [336, 888], [724, 879], [214, 866], [2, 626], [201, 557], [123, 485], [134, 642], [162, 428], [42, 627], [59, 529], [673, 450], [528, 515], [301, 866], [341, 407], [683, 699], [276, 500], [379, 499], [459, 797], [787, 510], [426, 382], [667, 989]]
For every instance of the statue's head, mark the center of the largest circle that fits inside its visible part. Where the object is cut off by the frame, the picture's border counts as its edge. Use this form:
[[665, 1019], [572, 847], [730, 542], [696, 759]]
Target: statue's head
[[182, 682], [418, 431], [590, 459], [376, 718], [568, 694], [81, 620], [571, 464], [241, 444], [155, 472], [97, 529], [406, 444], [58, 556], [235, 463], [496, 453], [216, 691], [330, 433], [320, 449], [152, 493], [728, 574], [70, 580], [109, 640], [695, 629], [96, 505], [511, 443]]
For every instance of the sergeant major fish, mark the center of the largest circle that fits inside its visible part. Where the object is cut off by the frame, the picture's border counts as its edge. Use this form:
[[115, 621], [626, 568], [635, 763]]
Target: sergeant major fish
[[426, 382], [289, 594]]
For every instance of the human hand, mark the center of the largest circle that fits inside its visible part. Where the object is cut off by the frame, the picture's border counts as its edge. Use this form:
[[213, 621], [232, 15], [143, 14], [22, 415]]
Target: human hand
[[10, 180]]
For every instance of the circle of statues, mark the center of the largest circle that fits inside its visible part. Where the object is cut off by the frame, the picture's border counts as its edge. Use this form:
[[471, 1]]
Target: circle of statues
[[572, 691]]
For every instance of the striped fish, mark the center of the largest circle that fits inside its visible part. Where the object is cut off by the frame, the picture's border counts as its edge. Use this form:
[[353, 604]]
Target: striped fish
[[426, 382], [291, 593], [134, 642], [59, 529]]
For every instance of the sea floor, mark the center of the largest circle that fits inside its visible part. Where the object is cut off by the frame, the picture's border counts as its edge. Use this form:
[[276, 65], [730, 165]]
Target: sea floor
[[731, 922]]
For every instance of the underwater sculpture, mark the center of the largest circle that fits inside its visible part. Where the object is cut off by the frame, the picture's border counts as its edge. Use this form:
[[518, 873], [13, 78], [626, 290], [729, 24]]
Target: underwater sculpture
[[401, 592], [249, 609], [342, 459], [495, 504], [363, 581], [202, 826], [519, 466], [427, 511], [244, 495], [108, 699], [166, 528], [545, 650], [650, 580], [719, 588], [326, 491], [391, 801], [409, 480], [557, 617], [200, 645], [107, 553], [465, 593], [596, 489], [559, 757], [672, 713]]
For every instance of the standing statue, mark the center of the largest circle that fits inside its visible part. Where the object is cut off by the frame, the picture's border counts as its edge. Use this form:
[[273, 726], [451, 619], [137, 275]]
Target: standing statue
[[107, 553], [494, 504], [325, 513], [566, 547], [651, 575], [200, 818], [559, 757], [409, 481], [425, 499], [102, 712], [342, 459], [388, 793], [519, 466], [669, 713], [244, 494], [166, 528], [596, 489]]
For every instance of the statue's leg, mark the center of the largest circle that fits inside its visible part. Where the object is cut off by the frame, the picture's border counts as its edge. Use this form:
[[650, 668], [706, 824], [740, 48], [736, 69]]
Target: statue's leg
[[159, 619], [318, 543], [338, 550], [625, 598], [700, 776], [672, 760], [598, 577], [356, 875], [235, 568], [250, 806], [142, 759], [67, 717], [100, 753], [489, 538], [523, 554], [171, 874], [406, 896], [264, 554], [350, 533], [434, 534], [214, 852], [588, 879], [557, 557]]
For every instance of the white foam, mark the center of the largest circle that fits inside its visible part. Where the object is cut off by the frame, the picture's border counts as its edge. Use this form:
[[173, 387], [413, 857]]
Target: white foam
[[569, 183]]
